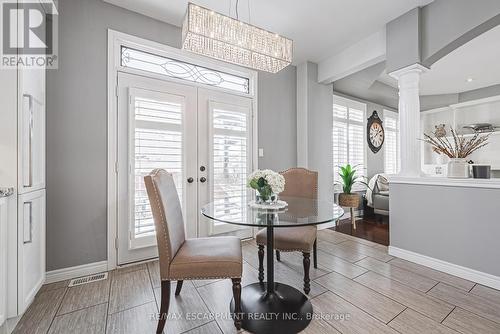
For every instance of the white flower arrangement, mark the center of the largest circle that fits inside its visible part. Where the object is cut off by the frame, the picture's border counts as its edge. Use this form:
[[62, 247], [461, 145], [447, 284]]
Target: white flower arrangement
[[261, 179]]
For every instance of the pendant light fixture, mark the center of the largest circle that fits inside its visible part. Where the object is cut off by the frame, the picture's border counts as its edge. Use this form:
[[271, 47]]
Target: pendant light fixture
[[222, 37]]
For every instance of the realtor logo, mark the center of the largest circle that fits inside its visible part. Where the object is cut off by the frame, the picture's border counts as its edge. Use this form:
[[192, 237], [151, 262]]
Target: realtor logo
[[29, 34]]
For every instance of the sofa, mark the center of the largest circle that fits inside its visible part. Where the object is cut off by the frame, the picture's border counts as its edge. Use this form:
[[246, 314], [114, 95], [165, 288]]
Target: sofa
[[377, 195]]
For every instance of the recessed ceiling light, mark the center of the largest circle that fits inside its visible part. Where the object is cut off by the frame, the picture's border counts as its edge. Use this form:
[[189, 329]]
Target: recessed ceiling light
[[469, 79]]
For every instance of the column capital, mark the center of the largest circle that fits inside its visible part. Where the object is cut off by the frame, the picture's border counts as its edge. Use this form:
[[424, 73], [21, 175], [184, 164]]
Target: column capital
[[414, 68]]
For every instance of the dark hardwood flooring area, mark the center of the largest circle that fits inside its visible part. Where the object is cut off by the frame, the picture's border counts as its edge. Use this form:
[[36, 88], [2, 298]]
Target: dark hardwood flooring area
[[370, 227]]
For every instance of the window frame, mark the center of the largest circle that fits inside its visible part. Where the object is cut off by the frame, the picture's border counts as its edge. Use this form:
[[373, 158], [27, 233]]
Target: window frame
[[350, 104], [180, 63]]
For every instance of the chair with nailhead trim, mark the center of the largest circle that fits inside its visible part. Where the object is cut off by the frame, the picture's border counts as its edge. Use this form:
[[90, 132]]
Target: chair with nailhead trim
[[188, 259]]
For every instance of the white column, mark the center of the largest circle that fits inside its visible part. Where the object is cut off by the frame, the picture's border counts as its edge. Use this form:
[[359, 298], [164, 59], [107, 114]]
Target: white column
[[409, 118]]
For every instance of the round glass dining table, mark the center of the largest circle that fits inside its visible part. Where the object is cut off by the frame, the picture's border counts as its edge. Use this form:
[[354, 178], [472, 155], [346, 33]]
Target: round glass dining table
[[272, 307]]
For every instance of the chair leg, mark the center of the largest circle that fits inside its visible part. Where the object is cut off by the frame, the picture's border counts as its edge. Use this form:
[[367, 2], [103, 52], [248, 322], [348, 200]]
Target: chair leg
[[237, 302], [315, 254], [261, 263], [307, 280], [278, 257], [165, 302], [178, 287]]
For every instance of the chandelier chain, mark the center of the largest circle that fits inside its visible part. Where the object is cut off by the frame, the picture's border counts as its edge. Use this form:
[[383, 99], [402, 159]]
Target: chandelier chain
[[249, 17]]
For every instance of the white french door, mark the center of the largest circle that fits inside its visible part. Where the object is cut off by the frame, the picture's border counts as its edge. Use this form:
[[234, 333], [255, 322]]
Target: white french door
[[225, 153], [203, 137]]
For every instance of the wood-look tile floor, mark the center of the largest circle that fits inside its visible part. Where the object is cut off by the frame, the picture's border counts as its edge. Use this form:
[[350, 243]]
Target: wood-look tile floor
[[357, 288]]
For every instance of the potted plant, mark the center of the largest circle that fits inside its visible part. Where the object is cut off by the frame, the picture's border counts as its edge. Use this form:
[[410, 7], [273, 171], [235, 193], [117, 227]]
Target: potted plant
[[268, 185], [457, 148], [349, 178]]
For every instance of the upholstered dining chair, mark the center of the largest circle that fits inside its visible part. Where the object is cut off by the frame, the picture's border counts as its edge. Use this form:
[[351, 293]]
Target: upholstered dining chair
[[188, 259], [299, 182]]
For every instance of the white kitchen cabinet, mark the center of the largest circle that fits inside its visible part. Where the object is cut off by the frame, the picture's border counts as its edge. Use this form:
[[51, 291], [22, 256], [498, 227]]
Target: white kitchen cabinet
[[22, 155], [31, 240], [31, 131]]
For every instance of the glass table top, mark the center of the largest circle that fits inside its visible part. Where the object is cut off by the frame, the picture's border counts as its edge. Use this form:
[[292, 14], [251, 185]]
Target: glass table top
[[299, 212]]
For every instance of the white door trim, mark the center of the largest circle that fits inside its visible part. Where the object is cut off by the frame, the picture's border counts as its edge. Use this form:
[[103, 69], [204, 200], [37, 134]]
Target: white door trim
[[115, 40]]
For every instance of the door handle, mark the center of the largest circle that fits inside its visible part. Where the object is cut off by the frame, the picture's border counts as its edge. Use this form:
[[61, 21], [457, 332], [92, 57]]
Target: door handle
[[202, 168], [30, 141], [203, 179], [30, 210], [190, 180]]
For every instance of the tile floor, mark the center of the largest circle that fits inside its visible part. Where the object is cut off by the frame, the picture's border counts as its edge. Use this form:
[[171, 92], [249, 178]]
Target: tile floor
[[376, 292]]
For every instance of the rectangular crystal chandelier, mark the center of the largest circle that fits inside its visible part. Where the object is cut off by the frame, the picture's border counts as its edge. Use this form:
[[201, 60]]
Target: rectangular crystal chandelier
[[221, 37]]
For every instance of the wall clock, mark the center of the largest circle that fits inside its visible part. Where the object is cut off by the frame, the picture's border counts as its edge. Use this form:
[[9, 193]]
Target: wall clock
[[376, 134]]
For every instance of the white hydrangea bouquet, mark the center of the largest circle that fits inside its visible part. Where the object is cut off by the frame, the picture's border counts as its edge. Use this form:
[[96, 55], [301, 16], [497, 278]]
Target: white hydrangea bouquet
[[268, 185]]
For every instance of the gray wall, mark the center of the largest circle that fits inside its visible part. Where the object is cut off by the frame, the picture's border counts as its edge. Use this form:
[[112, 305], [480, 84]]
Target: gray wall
[[76, 125], [480, 93], [441, 27], [427, 220], [365, 85], [428, 102], [403, 40], [278, 119], [319, 129], [449, 24]]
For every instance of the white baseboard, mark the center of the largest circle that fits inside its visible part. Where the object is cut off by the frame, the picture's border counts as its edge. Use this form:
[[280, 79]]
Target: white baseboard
[[447, 267], [74, 272]]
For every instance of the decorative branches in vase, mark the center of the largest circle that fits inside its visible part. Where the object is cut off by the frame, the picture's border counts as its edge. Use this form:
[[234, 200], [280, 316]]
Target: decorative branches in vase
[[457, 148]]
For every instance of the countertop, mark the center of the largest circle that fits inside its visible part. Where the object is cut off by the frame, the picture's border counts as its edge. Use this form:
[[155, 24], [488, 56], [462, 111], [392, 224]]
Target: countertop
[[493, 183], [6, 192]]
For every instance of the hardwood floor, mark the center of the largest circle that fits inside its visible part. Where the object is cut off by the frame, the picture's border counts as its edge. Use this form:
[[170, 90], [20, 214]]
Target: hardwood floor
[[357, 288], [373, 228]]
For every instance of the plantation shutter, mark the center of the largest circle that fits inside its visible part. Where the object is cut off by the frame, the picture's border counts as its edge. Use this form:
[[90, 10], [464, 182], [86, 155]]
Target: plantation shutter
[[391, 156], [348, 138], [157, 143]]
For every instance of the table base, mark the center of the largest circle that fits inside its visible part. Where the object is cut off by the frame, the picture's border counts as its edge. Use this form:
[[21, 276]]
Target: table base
[[286, 310]]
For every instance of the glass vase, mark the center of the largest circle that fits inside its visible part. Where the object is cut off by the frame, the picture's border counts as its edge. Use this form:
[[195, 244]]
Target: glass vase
[[266, 198]]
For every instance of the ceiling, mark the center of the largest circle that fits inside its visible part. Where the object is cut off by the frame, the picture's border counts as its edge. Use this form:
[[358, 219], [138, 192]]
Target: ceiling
[[478, 60], [319, 28]]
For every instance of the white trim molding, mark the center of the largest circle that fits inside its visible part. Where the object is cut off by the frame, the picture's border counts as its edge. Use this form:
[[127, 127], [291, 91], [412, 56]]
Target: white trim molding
[[447, 182], [447, 267], [74, 272], [476, 102], [413, 68]]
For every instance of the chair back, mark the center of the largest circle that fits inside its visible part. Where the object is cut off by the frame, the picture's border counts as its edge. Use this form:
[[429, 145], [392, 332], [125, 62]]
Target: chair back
[[300, 182], [167, 215]]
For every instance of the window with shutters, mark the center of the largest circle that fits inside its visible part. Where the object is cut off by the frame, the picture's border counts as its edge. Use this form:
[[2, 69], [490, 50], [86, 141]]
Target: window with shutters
[[392, 159], [348, 136]]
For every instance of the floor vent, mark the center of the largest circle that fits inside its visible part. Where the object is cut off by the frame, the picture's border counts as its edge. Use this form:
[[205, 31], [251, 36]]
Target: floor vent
[[88, 279]]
